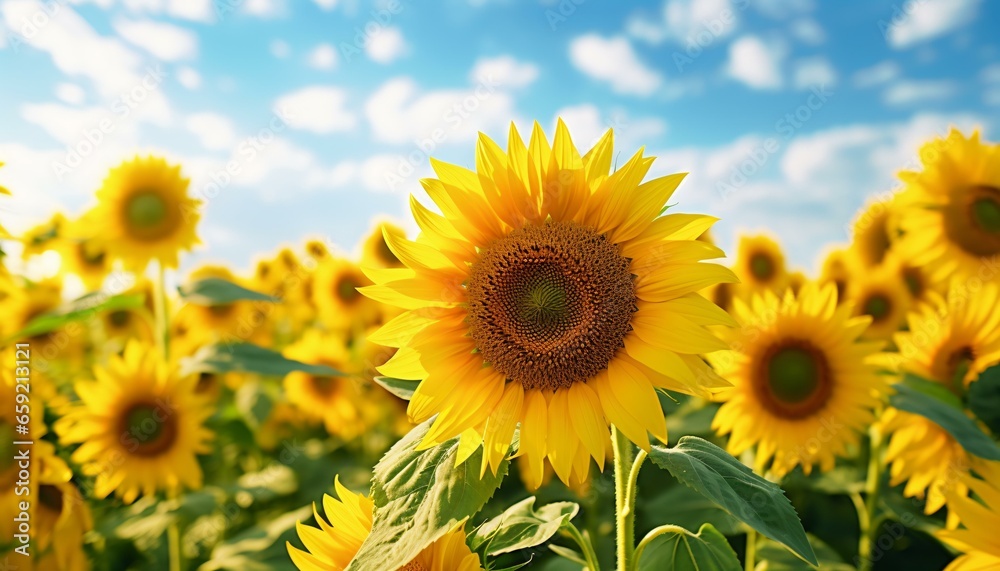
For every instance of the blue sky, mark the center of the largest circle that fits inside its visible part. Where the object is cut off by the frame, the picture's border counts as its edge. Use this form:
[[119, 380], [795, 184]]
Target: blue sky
[[787, 113]]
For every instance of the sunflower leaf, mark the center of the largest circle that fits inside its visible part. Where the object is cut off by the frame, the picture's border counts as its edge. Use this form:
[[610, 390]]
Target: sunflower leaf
[[715, 474], [248, 358], [677, 548], [521, 526], [77, 310], [984, 398], [400, 387], [419, 496], [217, 291], [911, 397]]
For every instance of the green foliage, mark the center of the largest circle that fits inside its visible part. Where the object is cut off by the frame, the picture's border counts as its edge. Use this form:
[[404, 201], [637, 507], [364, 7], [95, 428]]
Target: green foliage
[[680, 550], [419, 496], [521, 527], [249, 358], [259, 548], [712, 472], [217, 291], [774, 557], [984, 398], [77, 310]]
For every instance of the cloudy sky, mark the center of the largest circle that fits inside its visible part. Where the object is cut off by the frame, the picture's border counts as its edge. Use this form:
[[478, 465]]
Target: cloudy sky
[[299, 118]]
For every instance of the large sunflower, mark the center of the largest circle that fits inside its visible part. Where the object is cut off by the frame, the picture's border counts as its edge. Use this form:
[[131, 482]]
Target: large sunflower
[[144, 213], [874, 232], [549, 293], [760, 264], [140, 426], [950, 342], [951, 214], [334, 544], [803, 386], [977, 539], [880, 293]]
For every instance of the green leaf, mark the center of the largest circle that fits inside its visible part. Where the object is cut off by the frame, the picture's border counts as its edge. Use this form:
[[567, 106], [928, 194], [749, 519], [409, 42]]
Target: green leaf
[[248, 358], [217, 291], [521, 527], [774, 557], [932, 389], [567, 553], [419, 496], [77, 310], [688, 509], [911, 396], [258, 548], [402, 388], [254, 403], [680, 550], [712, 472], [984, 398]]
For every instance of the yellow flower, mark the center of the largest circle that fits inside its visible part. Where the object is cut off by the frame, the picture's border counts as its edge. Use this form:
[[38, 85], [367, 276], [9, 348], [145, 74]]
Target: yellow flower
[[977, 539], [4, 191], [333, 545], [230, 322], [335, 292], [375, 252], [549, 293], [43, 237], [874, 232], [123, 324], [145, 213], [951, 209], [879, 293], [140, 427], [838, 268], [86, 259], [760, 265], [803, 386], [950, 343]]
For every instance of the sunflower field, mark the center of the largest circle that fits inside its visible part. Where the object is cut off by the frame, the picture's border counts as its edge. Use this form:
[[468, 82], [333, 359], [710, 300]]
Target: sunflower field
[[550, 363]]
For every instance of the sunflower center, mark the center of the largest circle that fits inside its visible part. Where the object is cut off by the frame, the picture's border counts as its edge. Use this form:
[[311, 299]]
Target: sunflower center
[[119, 318], [413, 566], [151, 429], [550, 305], [90, 257], [878, 306], [206, 382], [914, 281], [386, 254], [986, 214], [148, 215], [793, 380], [221, 310], [723, 296], [953, 365], [51, 497], [347, 290], [761, 266], [323, 386], [972, 219]]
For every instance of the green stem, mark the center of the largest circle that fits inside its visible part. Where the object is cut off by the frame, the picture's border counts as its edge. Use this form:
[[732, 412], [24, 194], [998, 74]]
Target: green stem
[[174, 541], [624, 501], [866, 512], [586, 546], [750, 555], [160, 307], [653, 534]]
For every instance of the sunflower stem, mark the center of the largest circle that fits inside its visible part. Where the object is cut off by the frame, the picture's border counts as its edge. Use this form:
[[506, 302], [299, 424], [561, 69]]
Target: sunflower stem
[[866, 512], [160, 308], [750, 555], [586, 546], [174, 542], [624, 499]]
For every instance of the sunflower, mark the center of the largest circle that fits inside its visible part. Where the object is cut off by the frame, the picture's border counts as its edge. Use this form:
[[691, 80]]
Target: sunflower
[[140, 427], [838, 268], [950, 342], [86, 259], [317, 249], [977, 539], [879, 293], [951, 215], [916, 278], [375, 253], [553, 294], [61, 518], [760, 264], [722, 294], [335, 292], [874, 232], [333, 545], [124, 324], [43, 237], [144, 213], [333, 400], [5, 192], [224, 321], [803, 384]]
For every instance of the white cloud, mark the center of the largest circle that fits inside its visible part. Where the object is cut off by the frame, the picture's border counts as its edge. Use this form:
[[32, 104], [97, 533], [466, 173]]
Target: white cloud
[[914, 91], [264, 9], [194, 10], [326, 4], [189, 78], [814, 72], [216, 132], [587, 124], [612, 60], [280, 49], [990, 73], [756, 63], [923, 20], [399, 113], [504, 71], [319, 109], [70, 93], [685, 18], [386, 45], [808, 31], [878, 74], [165, 41], [323, 57]]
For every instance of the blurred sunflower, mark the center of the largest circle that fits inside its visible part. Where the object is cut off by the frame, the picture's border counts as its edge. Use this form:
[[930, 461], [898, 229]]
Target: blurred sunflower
[[760, 264], [553, 294], [140, 427], [136, 323], [61, 518], [224, 321], [335, 544], [336, 295], [949, 342], [874, 232], [798, 368], [879, 293], [317, 249], [721, 294], [44, 237], [917, 281], [144, 213], [332, 400], [951, 214], [5, 192], [87, 260], [837, 268], [977, 539], [375, 253]]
